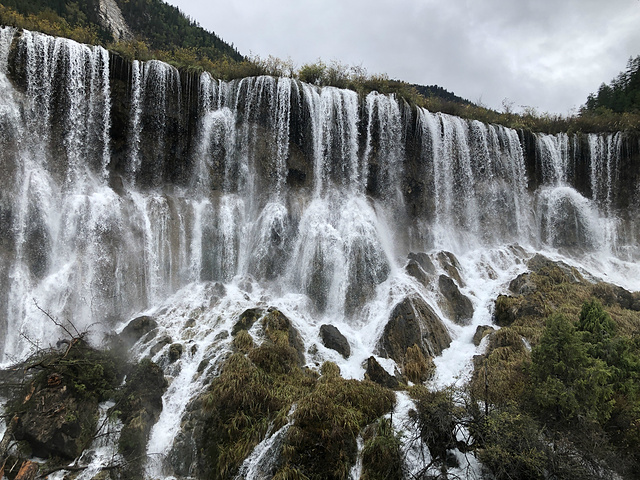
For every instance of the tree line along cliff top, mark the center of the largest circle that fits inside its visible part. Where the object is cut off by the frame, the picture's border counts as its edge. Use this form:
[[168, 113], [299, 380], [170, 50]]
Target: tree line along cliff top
[[160, 31]]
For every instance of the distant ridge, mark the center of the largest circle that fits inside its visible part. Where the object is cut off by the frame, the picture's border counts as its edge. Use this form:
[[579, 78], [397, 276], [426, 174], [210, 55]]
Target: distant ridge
[[159, 25], [437, 91]]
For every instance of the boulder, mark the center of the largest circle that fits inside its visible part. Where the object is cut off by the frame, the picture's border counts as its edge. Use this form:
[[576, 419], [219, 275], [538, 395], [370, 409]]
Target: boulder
[[413, 322], [414, 269], [57, 423], [557, 271], [333, 339], [136, 329], [247, 319], [57, 410], [379, 375], [451, 266], [165, 340], [424, 261], [457, 306], [175, 351], [481, 332]]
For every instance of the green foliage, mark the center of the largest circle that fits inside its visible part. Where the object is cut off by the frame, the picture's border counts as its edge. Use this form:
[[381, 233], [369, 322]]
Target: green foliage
[[253, 393], [438, 417], [509, 445], [322, 440], [49, 22], [243, 342], [417, 368], [312, 73], [88, 372], [381, 455], [621, 95], [581, 379], [568, 383]]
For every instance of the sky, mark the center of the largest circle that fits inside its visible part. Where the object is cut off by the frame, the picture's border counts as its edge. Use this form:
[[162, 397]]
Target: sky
[[543, 54]]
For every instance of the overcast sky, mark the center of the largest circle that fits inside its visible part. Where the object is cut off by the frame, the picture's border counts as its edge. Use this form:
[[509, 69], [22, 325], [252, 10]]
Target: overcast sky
[[546, 54]]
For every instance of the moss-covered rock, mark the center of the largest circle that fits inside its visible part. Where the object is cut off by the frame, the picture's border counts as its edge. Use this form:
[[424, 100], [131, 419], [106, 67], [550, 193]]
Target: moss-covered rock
[[56, 413], [322, 441], [381, 456], [139, 407], [413, 322]]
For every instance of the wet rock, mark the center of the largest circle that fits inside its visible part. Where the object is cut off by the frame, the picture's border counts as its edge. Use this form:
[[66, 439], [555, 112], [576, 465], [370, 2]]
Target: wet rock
[[140, 409], [457, 306], [413, 322], [175, 351], [166, 340], [56, 423], [276, 320], [481, 332], [451, 266], [424, 261], [247, 319], [136, 329], [183, 456], [379, 375], [414, 269], [333, 339]]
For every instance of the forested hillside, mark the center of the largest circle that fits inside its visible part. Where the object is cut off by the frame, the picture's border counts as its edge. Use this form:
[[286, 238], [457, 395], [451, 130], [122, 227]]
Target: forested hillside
[[158, 25], [621, 95]]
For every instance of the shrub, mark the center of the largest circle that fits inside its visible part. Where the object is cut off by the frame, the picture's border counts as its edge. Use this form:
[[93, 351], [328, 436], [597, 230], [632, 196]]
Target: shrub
[[438, 419], [567, 382], [510, 446], [381, 455], [322, 441]]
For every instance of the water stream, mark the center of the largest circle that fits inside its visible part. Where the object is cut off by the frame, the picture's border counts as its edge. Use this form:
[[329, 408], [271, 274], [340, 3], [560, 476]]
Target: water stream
[[288, 195]]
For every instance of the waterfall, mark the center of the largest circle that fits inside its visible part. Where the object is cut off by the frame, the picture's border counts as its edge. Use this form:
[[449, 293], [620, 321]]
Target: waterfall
[[121, 196]]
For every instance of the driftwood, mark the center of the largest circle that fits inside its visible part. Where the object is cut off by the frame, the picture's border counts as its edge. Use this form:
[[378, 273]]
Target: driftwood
[[28, 470]]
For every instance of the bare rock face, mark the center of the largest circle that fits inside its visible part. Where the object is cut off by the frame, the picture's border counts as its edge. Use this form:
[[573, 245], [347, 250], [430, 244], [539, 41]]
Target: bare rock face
[[379, 375], [413, 322], [333, 339], [136, 329], [481, 332], [450, 264], [414, 269], [456, 305], [424, 261], [111, 19]]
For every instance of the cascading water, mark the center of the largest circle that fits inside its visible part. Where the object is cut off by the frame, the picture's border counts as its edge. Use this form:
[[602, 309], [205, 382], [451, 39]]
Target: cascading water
[[279, 194]]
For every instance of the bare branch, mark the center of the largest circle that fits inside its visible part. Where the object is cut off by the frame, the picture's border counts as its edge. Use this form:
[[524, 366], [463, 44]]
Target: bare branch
[[58, 323]]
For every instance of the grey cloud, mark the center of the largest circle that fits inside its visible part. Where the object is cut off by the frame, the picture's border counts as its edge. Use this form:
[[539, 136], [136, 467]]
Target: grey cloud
[[548, 54]]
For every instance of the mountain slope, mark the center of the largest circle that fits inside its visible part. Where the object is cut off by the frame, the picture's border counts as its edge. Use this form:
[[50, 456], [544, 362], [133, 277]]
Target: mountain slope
[[159, 25]]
